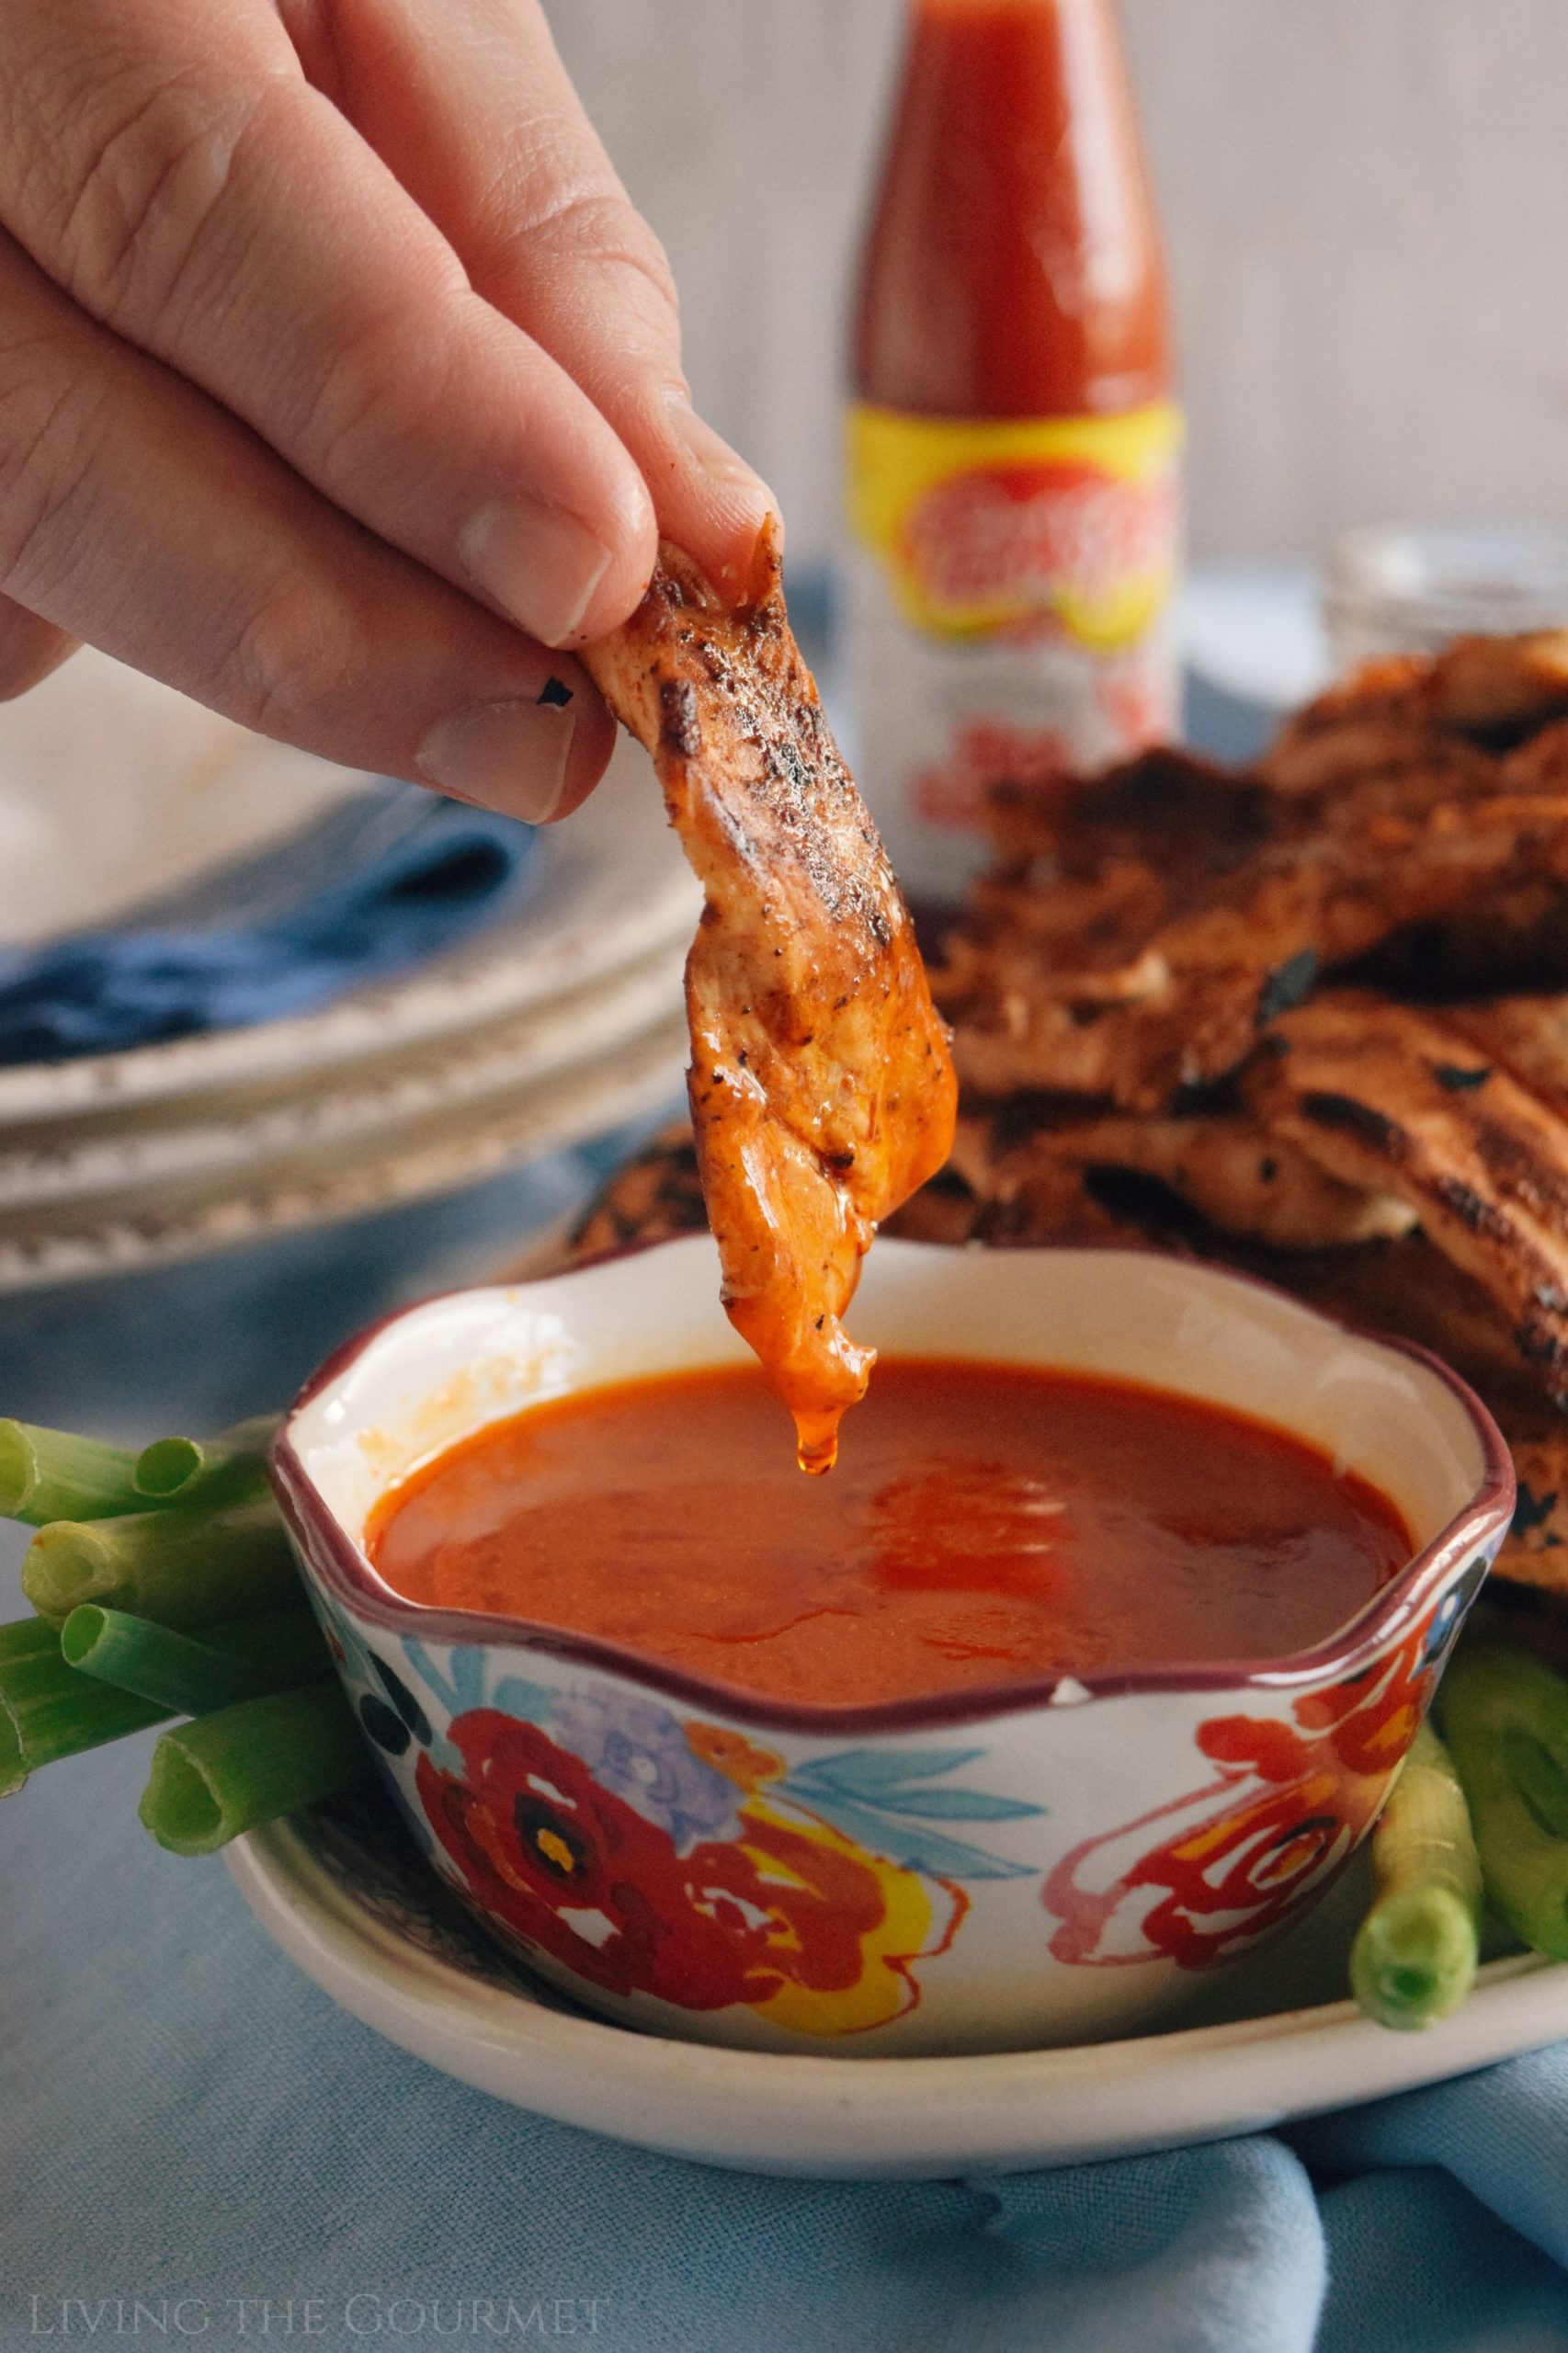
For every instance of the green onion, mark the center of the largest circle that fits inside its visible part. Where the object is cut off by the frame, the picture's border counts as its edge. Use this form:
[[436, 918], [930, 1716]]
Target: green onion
[[227, 1773], [180, 1568], [48, 1710], [190, 1676], [50, 1475], [231, 1468], [1413, 1959], [1504, 1717], [26, 1638]]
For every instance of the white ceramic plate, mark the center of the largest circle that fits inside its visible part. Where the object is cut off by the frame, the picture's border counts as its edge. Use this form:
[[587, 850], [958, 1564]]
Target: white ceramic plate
[[445, 1147], [115, 789], [608, 889], [346, 1896], [348, 1111]]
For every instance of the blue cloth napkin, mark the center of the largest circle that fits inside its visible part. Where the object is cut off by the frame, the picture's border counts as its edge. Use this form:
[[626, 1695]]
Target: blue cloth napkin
[[386, 880], [185, 2122]]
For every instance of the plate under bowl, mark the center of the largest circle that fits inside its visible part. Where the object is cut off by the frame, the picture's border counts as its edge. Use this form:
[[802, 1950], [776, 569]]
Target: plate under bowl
[[348, 1896]]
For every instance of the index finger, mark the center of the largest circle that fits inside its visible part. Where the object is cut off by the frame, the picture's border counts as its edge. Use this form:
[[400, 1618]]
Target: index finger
[[171, 169], [475, 113]]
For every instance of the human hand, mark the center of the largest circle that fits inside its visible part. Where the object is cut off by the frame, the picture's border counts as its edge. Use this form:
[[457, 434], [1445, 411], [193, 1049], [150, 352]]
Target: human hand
[[339, 379]]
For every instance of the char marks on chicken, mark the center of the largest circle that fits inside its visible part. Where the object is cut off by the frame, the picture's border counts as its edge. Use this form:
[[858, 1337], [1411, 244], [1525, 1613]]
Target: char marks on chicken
[[1140, 931], [1385, 1094]]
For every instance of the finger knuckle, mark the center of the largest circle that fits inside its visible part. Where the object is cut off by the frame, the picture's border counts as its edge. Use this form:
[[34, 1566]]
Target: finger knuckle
[[299, 652], [141, 186], [359, 395], [30, 650], [49, 431], [602, 227]]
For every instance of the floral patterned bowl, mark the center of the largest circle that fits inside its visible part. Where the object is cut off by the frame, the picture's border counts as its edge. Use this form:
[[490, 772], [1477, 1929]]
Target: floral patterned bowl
[[981, 1871]]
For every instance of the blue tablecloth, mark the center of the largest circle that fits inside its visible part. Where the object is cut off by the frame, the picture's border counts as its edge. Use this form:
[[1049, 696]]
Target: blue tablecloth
[[187, 2124], [196, 2145]]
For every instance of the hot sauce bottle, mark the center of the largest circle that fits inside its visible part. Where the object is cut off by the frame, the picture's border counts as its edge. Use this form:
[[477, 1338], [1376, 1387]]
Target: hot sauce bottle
[[1014, 447]]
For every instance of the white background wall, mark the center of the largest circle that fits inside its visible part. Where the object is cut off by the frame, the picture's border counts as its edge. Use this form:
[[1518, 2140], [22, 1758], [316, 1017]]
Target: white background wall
[[1365, 203]]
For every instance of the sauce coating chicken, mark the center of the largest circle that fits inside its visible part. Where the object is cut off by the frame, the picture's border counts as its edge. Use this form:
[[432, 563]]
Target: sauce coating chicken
[[821, 1091]]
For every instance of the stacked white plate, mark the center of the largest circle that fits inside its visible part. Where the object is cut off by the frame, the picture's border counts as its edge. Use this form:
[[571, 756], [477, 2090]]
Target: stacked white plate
[[558, 1023]]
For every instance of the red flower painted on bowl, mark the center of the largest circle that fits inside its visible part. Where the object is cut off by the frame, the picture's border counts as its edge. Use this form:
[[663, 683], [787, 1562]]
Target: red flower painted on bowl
[[1295, 1798], [787, 1916]]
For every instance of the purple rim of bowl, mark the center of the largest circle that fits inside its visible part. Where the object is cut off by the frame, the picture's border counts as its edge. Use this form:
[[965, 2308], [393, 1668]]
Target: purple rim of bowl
[[326, 1544]]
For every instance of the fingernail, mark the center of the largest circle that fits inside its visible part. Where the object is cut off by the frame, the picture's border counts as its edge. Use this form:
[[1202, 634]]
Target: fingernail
[[708, 450], [538, 562], [510, 756], [739, 499]]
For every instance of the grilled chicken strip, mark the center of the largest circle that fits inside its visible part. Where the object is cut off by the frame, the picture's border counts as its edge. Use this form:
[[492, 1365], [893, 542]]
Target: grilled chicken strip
[[1411, 1289], [1136, 933], [820, 1086], [1225, 1164], [1534, 1550], [1528, 1034], [1488, 693], [651, 1197], [1381, 1095], [1184, 1003]]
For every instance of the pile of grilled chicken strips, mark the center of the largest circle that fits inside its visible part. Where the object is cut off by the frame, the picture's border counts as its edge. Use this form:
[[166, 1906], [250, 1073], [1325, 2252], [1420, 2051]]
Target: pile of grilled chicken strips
[[1309, 1020]]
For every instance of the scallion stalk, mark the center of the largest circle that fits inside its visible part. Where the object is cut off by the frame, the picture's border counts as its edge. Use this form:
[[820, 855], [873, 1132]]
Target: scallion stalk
[[53, 1474], [228, 1773], [1413, 1959], [26, 1638], [1505, 1718], [231, 1468], [177, 1567], [194, 1677], [48, 1710]]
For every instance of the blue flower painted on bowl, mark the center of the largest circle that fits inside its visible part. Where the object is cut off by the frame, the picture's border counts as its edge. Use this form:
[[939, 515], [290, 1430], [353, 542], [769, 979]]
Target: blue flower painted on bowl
[[639, 1751], [1449, 1616]]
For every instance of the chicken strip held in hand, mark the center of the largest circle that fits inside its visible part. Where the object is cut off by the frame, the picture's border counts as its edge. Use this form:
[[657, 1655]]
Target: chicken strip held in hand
[[821, 1091]]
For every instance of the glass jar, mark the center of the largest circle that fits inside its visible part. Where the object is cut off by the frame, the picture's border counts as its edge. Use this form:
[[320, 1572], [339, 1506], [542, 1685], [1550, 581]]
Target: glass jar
[[1391, 589]]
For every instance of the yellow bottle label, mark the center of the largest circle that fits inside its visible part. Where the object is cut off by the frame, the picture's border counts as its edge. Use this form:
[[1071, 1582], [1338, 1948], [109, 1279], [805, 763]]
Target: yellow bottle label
[[1065, 526]]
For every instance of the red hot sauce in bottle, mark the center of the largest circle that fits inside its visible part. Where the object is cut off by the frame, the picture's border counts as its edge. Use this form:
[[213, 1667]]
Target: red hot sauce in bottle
[[1014, 447]]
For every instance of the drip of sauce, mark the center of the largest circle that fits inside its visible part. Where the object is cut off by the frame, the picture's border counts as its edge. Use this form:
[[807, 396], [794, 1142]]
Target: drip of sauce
[[993, 1524]]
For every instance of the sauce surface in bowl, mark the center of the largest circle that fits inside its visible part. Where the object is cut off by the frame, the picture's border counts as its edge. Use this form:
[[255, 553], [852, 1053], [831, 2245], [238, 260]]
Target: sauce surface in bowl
[[989, 1524]]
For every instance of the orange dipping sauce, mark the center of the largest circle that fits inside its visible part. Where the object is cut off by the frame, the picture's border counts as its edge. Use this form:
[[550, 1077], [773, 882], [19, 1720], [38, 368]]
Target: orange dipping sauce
[[989, 1524]]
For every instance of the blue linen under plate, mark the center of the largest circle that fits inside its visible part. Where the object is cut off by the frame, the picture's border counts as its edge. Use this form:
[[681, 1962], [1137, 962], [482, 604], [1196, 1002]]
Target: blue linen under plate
[[185, 2122], [388, 877]]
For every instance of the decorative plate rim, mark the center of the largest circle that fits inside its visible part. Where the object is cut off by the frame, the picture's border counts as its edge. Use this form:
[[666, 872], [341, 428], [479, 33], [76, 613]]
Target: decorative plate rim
[[127, 1233]]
